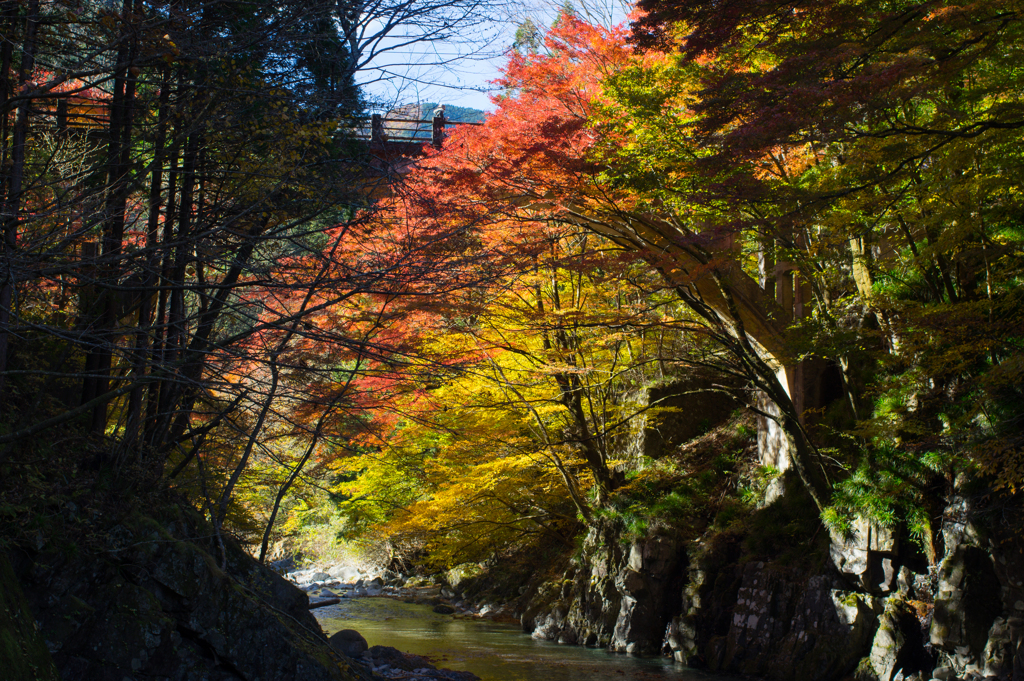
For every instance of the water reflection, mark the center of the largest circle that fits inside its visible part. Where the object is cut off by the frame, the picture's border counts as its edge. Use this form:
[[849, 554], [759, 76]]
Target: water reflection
[[494, 652]]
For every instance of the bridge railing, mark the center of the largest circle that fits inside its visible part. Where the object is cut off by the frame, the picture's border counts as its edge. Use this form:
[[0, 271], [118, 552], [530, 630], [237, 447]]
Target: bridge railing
[[382, 129]]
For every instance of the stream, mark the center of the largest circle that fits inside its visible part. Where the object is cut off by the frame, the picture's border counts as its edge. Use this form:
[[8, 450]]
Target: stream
[[492, 651]]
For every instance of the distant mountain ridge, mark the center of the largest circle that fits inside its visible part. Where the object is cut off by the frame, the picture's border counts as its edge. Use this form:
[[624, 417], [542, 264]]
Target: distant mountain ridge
[[462, 114]]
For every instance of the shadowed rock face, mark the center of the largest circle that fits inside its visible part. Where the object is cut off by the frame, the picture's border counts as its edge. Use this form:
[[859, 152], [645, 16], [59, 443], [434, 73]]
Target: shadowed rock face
[[967, 602], [156, 604], [873, 611], [692, 407], [620, 598], [977, 626], [649, 588], [749, 618], [810, 630]]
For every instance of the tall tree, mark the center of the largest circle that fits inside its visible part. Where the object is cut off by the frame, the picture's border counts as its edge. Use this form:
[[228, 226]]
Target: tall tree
[[539, 159]]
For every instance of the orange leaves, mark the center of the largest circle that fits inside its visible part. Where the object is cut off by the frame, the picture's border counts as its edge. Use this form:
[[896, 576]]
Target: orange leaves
[[533, 155], [569, 77]]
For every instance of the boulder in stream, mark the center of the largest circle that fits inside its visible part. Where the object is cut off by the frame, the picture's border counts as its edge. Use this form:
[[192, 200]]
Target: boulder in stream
[[349, 642], [393, 663]]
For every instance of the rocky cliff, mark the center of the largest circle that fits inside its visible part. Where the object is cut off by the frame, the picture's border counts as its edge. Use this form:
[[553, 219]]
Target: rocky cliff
[[162, 598], [863, 606]]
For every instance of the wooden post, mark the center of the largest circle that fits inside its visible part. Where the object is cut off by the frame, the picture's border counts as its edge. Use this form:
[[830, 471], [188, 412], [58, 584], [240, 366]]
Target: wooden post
[[62, 115], [376, 129], [437, 135]]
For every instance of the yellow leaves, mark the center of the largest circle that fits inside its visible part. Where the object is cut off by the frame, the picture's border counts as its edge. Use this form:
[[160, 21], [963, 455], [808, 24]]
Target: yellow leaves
[[786, 164], [476, 506]]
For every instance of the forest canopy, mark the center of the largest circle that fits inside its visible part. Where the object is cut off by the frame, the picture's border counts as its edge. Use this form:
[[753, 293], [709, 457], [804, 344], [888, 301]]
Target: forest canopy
[[815, 206], [806, 215]]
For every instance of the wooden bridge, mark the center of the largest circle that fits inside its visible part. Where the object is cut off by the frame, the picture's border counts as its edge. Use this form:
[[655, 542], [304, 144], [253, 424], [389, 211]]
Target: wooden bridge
[[405, 136], [395, 144]]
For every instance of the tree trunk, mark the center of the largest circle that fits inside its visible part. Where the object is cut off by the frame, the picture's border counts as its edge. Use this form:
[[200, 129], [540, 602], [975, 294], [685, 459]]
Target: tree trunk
[[143, 344], [12, 206], [118, 167]]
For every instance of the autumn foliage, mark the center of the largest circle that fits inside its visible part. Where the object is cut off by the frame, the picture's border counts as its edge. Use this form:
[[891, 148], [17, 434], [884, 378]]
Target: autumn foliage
[[816, 202], [815, 208]]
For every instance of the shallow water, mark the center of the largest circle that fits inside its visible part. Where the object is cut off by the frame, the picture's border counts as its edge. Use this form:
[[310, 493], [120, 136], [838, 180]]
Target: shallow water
[[492, 651]]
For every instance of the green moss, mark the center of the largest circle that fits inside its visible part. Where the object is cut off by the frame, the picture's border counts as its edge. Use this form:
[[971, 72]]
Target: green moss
[[680, 494], [732, 511], [850, 600], [865, 672], [787, 532]]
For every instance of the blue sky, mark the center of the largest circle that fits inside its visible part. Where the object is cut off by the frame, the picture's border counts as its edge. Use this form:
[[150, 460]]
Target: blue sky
[[467, 66], [463, 79]]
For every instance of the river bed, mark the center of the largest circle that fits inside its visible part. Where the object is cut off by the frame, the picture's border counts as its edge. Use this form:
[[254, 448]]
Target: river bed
[[492, 651]]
